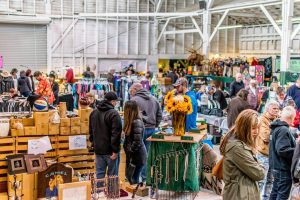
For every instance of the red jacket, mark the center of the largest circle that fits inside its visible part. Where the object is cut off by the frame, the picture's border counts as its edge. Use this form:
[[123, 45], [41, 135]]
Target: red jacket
[[297, 119], [70, 75]]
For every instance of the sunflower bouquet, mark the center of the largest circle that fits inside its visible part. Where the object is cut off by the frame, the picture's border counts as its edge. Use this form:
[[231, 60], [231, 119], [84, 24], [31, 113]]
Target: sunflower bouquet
[[179, 106]]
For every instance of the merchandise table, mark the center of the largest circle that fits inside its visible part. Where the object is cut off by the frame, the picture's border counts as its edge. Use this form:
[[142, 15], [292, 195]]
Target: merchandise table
[[212, 120], [175, 164]]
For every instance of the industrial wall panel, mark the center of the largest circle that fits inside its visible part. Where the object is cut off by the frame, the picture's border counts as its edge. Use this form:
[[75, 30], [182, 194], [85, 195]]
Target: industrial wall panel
[[67, 7], [56, 7], [79, 37], [23, 45], [133, 38], [14, 4], [102, 37], [123, 45], [79, 6], [143, 39], [111, 5], [40, 6], [91, 36], [28, 6], [91, 6], [112, 37]]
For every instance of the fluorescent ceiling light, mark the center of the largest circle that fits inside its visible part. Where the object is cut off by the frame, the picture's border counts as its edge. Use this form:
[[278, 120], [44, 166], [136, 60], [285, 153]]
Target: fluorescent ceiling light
[[165, 14], [230, 27], [181, 31]]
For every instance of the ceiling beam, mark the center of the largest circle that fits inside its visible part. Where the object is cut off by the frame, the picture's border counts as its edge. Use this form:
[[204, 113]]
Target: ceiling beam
[[181, 31], [197, 27], [276, 27], [158, 6], [162, 31], [218, 25], [164, 14]]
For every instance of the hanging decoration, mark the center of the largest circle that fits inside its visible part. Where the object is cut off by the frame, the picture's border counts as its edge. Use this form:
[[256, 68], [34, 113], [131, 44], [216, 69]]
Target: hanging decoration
[[179, 106]]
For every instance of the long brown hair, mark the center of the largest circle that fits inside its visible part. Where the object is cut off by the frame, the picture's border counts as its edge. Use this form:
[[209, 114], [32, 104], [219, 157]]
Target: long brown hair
[[242, 128], [131, 112]]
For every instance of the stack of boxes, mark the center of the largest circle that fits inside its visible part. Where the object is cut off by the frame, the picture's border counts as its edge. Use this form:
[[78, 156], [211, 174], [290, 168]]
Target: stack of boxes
[[75, 126], [65, 126], [53, 128], [84, 115], [41, 121]]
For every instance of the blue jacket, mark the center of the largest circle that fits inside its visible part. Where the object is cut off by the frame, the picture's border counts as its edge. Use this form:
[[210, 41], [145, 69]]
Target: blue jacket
[[294, 92], [191, 119]]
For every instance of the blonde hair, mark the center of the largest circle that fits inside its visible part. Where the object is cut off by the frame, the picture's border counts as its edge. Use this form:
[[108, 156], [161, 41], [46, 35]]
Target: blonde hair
[[288, 112]]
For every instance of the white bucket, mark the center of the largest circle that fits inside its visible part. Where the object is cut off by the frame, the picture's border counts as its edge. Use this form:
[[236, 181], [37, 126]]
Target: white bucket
[[4, 127]]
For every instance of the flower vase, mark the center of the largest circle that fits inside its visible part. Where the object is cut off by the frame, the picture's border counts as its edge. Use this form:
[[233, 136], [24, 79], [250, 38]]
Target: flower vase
[[178, 123]]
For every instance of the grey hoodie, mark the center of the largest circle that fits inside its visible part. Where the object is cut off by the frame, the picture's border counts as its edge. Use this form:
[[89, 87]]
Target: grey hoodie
[[149, 107]]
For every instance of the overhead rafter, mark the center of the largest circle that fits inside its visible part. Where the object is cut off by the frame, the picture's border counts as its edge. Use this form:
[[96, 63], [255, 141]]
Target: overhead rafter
[[158, 6], [276, 27], [197, 27], [162, 31], [295, 32], [218, 25]]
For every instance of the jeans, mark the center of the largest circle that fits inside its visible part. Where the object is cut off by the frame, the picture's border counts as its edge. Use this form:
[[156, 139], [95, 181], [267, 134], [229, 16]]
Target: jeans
[[265, 186], [137, 172], [147, 133], [282, 185], [25, 94], [106, 165]]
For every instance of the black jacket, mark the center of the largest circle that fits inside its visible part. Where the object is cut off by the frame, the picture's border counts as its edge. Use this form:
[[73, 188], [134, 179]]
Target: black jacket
[[134, 146], [105, 129], [24, 84], [173, 76], [235, 87], [220, 97], [282, 146]]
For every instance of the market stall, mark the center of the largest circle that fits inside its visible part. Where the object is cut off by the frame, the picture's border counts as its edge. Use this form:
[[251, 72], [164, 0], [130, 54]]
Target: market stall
[[174, 162]]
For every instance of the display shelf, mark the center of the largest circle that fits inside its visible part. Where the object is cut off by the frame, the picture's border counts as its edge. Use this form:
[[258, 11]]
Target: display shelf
[[3, 171], [22, 145], [197, 137], [7, 147], [63, 148]]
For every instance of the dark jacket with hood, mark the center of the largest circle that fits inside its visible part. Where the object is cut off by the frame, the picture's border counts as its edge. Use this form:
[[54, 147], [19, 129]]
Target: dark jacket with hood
[[134, 146], [295, 160], [149, 107], [105, 129], [282, 146], [24, 84]]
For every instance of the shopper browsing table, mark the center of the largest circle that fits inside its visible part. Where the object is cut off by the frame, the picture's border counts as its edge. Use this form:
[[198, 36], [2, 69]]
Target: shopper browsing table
[[294, 92], [262, 143], [105, 136], [181, 88], [55, 88], [134, 147], [282, 146], [241, 171], [151, 112], [92, 100], [44, 88], [24, 86]]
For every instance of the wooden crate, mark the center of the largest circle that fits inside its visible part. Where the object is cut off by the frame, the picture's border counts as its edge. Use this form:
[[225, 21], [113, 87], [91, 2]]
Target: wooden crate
[[63, 148], [3, 170], [7, 147], [82, 164], [22, 145]]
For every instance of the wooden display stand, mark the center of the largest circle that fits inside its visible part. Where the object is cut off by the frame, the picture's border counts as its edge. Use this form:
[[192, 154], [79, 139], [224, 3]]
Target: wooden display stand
[[172, 138]]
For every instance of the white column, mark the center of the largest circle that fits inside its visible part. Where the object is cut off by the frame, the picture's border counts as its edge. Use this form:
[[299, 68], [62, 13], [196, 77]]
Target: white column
[[286, 41], [206, 32], [49, 38]]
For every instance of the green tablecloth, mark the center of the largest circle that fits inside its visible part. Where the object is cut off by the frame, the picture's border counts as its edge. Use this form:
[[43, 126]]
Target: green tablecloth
[[158, 151]]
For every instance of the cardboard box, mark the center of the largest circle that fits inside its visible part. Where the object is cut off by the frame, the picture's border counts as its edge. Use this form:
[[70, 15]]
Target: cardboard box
[[75, 121], [17, 132], [29, 130], [13, 121], [84, 114], [75, 130], [65, 130], [51, 113], [164, 81], [65, 122], [53, 129], [42, 129], [28, 121], [84, 127], [41, 118]]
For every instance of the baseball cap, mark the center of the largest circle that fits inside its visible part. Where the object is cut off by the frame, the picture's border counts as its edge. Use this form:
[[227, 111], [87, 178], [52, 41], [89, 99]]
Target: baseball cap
[[180, 81], [111, 96]]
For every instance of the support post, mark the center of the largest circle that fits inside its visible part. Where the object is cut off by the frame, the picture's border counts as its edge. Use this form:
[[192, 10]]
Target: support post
[[197, 27], [206, 33], [218, 25], [286, 42], [270, 18], [162, 31]]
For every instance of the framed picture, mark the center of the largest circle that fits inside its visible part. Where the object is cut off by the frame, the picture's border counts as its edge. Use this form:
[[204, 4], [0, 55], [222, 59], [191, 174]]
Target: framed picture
[[81, 189], [35, 163], [16, 164]]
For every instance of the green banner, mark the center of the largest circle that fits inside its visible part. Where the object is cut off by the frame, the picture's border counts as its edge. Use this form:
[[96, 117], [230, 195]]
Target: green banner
[[294, 65]]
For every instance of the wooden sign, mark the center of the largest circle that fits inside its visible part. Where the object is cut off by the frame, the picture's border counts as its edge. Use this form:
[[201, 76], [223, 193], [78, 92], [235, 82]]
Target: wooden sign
[[49, 180]]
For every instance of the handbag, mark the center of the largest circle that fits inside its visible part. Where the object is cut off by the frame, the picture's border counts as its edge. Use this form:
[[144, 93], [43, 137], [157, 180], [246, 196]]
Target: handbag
[[217, 170], [130, 172]]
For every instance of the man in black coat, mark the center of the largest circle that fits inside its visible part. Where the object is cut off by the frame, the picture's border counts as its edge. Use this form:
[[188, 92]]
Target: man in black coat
[[282, 146], [105, 135], [237, 85]]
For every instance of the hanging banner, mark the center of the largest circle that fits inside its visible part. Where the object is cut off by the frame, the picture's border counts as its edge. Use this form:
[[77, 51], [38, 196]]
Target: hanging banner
[[259, 74]]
